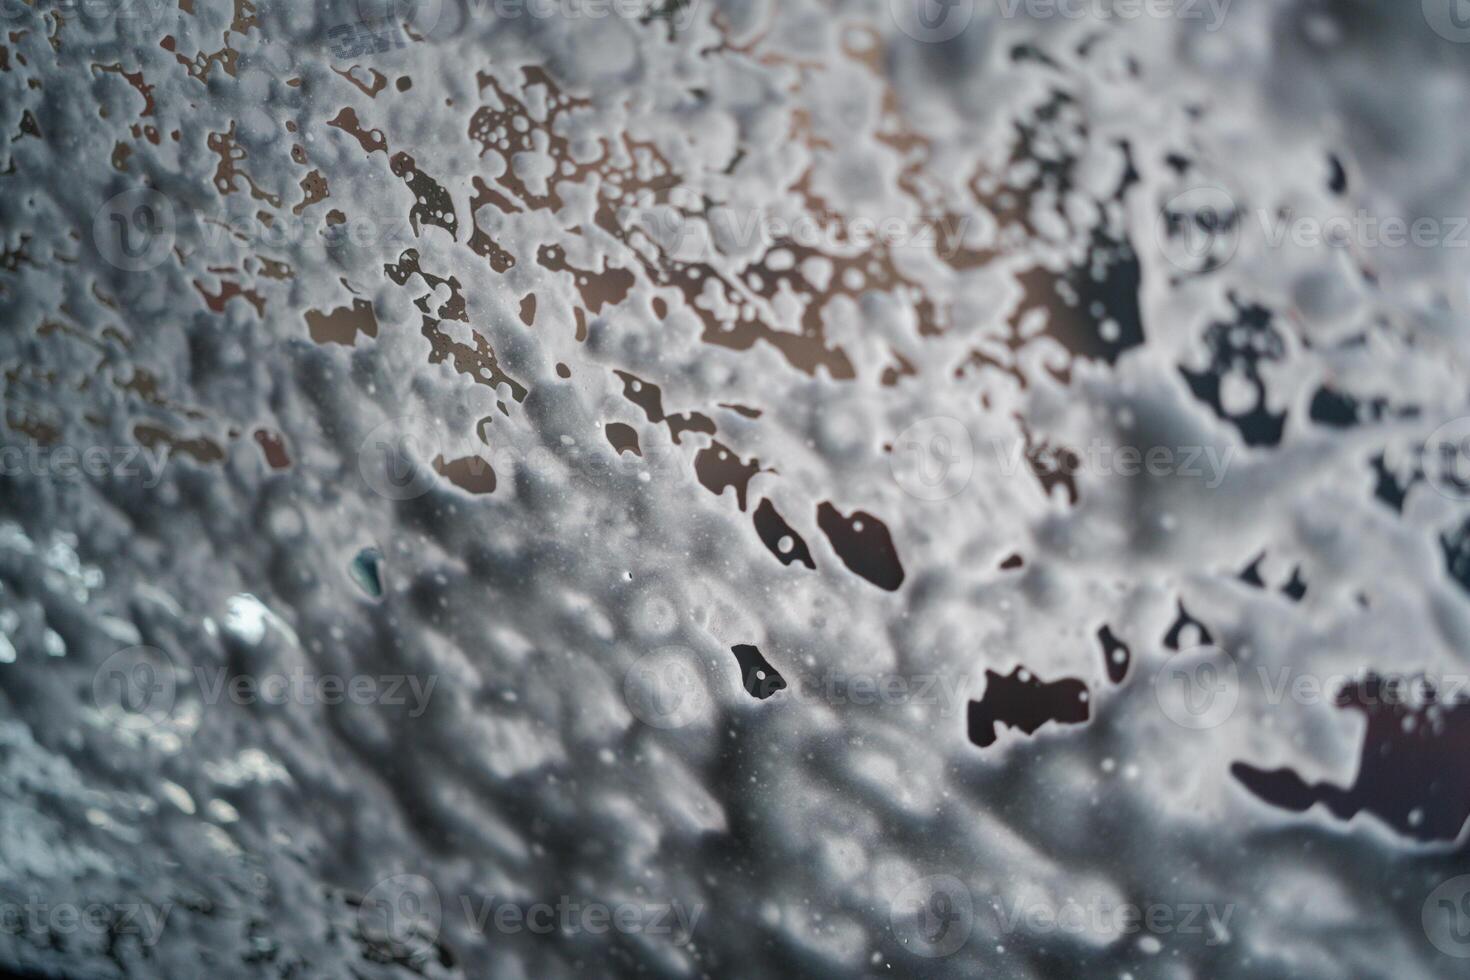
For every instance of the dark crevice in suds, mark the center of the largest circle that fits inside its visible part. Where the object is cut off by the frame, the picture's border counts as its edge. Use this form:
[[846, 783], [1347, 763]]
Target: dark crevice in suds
[[1116, 655], [623, 438], [779, 537], [1413, 771], [1296, 588], [1024, 702], [1388, 487], [1456, 548], [1092, 308], [717, 467], [1252, 573], [1338, 410], [760, 679], [366, 571], [1237, 350], [1175, 635], [649, 397], [863, 543], [473, 474], [1337, 181], [273, 447], [1053, 466]]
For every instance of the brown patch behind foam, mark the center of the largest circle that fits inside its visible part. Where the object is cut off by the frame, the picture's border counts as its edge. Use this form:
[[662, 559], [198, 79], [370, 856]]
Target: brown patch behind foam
[[473, 474], [343, 324], [623, 437], [274, 448], [863, 543]]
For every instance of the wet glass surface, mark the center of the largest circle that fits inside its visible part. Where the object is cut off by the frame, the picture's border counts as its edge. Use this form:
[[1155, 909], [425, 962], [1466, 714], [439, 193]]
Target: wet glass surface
[[540, 488]]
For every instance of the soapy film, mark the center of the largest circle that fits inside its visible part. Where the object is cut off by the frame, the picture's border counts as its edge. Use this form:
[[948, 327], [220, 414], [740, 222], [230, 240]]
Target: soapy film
[[742, 463]]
